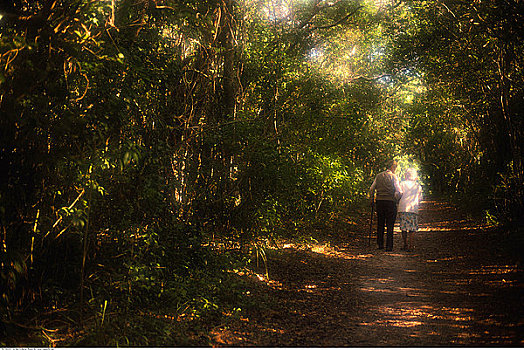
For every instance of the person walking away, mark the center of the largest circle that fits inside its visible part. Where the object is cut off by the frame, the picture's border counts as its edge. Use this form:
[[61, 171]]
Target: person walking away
[[388, 192], [408, 208]]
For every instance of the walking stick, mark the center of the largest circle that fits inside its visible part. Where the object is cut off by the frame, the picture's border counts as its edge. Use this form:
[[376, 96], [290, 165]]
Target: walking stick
[[371, 221]]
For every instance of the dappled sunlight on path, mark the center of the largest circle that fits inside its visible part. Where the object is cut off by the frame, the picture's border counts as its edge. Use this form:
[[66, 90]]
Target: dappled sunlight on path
[[456, 288], [443, 293]]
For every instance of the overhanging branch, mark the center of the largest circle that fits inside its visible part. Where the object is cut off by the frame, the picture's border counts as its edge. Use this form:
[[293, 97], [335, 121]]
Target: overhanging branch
[[339, 21]]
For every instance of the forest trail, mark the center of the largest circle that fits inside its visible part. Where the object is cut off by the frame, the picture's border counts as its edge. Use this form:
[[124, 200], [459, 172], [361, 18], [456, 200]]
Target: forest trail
[[458, 287]]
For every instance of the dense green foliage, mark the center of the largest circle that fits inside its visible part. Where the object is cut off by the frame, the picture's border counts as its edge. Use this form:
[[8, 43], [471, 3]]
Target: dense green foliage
[[140, 138], [467, 128]]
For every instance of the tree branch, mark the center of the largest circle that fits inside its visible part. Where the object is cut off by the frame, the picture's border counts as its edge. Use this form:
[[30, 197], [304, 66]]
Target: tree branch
[[339, 21]]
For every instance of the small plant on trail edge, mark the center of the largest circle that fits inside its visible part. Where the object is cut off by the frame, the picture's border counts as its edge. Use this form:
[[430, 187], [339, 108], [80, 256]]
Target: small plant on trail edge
[[260, 251]]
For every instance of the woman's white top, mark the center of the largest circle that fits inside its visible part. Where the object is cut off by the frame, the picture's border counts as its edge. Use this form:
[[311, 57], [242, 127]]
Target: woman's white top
[[411, 197]]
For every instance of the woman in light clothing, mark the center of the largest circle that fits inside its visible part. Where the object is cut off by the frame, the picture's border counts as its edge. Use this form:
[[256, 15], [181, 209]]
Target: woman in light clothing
[[408, 207]]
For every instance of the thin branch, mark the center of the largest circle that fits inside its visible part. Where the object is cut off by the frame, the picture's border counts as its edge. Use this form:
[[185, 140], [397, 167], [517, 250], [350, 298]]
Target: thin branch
[[339, 21], [85, 91], [316, 10], [69, 208]]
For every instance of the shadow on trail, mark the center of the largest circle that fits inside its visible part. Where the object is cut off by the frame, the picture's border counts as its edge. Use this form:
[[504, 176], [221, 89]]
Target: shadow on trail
[[459, 287], [313, 299]]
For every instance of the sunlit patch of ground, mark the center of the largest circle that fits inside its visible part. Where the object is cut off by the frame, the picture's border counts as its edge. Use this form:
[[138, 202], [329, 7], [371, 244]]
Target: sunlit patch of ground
[[494, 270]]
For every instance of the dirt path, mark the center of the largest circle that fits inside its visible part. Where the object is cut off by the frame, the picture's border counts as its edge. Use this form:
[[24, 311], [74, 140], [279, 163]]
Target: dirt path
[[459, 287]]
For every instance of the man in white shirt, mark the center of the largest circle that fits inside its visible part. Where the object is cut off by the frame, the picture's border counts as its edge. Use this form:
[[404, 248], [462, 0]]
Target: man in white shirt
[[388, 192]]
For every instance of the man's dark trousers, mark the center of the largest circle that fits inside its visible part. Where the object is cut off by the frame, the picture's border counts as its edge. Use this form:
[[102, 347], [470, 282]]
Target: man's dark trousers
[[386, 216]]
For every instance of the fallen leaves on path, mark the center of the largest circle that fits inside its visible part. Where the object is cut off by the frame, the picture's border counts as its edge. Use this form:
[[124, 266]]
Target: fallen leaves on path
[[457, 288]]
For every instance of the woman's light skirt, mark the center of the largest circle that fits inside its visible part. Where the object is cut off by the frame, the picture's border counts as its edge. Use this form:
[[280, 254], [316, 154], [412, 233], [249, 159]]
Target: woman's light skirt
[[408, 221]]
